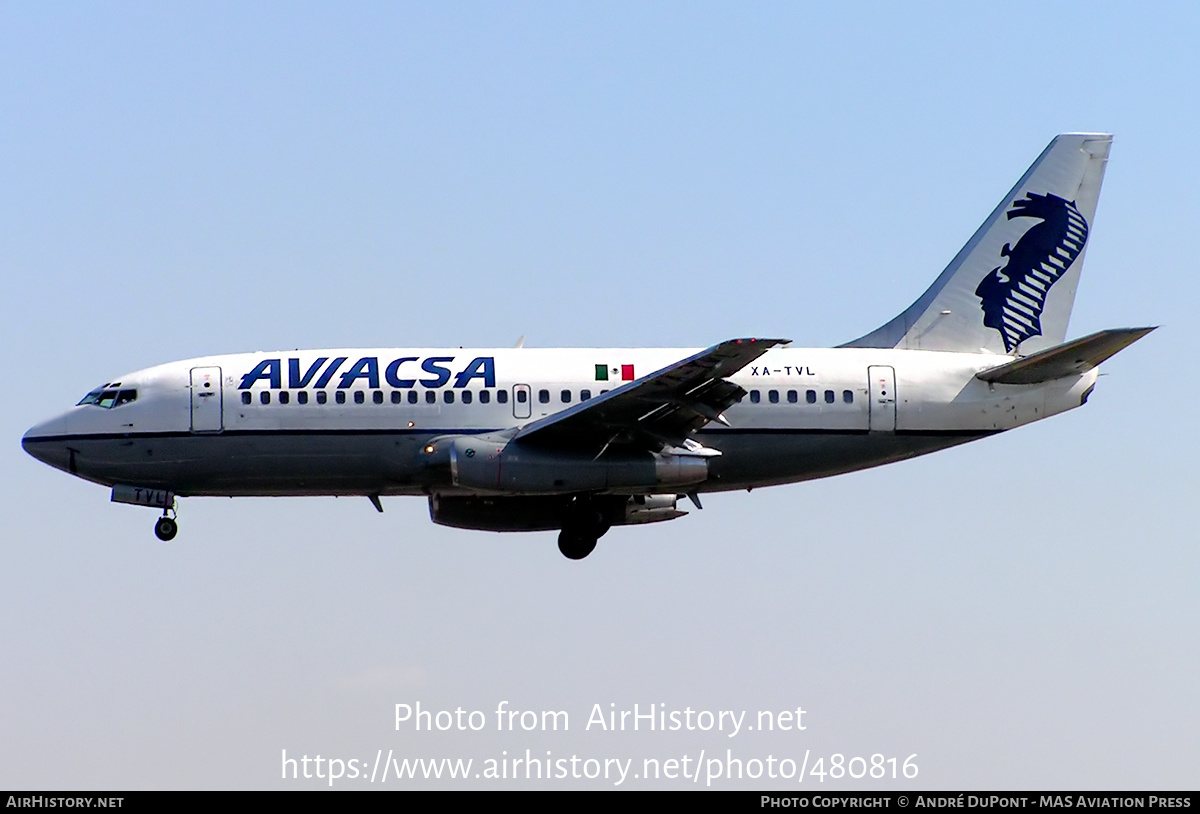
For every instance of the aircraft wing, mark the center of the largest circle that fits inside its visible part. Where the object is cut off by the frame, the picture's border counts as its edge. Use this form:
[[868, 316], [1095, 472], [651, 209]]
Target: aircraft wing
[[657, 410]]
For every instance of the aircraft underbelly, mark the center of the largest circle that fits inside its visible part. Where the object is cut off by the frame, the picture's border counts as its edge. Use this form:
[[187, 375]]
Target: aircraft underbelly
[[259, 464], [391, 464], [764, 459]]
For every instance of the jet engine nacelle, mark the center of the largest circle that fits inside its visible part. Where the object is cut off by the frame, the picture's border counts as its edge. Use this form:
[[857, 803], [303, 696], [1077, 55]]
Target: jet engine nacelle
[[493, 464]]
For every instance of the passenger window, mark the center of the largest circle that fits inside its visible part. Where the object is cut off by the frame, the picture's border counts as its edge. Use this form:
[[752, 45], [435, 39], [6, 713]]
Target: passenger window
[[543, 396], [848, 396], [584, 395], [340, 396], [245, 397], [467, 397], [755, 397], [322, 397], [302, 397], [793, 397], [566, 396], [359, 397], [285, 397], [397, 397], [413, 397], [485, 396], [264, 397], [430, 397], [829, 397], [811, 396], [448, 396], [773, 396], [377, 397], [502, 396]]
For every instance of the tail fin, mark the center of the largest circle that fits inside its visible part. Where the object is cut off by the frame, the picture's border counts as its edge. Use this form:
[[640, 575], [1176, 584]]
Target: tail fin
[[1011, 288]]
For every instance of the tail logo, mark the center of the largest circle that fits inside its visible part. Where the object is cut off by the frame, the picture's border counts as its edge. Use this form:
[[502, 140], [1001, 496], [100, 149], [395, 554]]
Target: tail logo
[[1012, 296]]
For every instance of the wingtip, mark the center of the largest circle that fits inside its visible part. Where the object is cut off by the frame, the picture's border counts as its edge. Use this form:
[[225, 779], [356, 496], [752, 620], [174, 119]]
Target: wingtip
[[757, 340]]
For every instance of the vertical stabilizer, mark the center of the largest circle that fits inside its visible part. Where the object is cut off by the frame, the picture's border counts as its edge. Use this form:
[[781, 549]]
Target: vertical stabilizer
[[1011, 288]]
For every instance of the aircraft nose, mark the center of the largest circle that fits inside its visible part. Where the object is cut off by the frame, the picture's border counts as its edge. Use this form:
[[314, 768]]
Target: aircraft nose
[[46, 441]]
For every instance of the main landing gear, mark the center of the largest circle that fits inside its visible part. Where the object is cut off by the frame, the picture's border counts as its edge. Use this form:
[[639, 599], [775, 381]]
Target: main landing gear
[[583, 526], [575, 545], [166, 528]]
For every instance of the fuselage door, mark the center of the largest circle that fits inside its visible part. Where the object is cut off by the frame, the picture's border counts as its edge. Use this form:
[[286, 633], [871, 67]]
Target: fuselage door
[[883, 398], [206, 399], [522, 401]]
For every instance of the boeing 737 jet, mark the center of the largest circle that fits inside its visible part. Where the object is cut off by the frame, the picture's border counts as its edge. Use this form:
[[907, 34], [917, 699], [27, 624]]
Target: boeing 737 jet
[[523, 439]]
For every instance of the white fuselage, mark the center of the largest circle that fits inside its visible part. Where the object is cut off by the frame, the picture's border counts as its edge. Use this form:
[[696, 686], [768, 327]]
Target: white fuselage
[[354, 421]]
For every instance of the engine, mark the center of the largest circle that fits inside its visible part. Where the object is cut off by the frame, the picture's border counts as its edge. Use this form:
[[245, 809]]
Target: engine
[[492, 463]]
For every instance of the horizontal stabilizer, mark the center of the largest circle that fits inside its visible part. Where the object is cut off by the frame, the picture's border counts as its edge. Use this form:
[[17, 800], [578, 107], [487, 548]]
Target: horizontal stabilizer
[[1069, 359]]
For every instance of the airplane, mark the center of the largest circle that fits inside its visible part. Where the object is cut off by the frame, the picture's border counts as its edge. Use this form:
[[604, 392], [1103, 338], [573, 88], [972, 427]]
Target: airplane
[[580, 440]]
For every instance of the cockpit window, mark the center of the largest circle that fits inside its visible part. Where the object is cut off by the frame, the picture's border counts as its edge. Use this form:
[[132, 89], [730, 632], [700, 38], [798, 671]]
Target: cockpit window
[[102, 397]]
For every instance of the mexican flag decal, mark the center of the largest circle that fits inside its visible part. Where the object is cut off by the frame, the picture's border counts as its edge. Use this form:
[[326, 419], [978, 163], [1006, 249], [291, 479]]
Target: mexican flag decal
[[605, 372]]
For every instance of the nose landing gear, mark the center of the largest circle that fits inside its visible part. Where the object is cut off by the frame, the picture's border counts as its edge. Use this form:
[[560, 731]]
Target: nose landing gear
[[166, 528]]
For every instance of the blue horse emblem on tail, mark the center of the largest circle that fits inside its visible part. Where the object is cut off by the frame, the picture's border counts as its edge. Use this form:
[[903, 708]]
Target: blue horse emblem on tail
[[1013, 295]]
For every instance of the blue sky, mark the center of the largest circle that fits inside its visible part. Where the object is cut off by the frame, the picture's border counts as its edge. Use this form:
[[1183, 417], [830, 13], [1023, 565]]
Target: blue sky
[[174, 182]]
